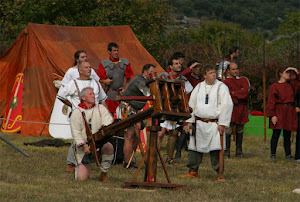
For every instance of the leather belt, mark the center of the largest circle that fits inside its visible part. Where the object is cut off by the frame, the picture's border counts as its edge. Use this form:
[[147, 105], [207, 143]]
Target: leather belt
[[117, 90], [286, 104], [206, 120]]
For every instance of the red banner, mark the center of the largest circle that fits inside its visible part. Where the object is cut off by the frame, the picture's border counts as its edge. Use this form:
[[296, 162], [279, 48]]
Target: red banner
[[14, 109]]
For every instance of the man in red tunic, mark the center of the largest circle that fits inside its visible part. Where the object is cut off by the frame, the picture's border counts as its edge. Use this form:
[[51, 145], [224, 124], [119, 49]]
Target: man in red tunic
[[115, 73], [282, 112], [192, 73], [238, 89]]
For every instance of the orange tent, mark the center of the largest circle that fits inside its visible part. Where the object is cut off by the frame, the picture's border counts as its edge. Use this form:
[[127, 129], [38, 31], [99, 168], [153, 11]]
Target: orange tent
[[41, 50]]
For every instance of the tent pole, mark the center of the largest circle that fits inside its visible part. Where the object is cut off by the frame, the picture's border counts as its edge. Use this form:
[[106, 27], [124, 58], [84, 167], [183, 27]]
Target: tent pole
[[264, 92], [47, 120]]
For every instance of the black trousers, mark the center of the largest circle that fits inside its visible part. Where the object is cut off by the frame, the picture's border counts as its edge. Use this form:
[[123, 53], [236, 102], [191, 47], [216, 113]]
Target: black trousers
[[286, 141]]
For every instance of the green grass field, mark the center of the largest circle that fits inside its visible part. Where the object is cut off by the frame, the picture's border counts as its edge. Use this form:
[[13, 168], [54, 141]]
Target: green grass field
[[42, 177]]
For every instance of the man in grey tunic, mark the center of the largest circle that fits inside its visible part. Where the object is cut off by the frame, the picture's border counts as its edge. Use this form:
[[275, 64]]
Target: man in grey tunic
[[137, 87]]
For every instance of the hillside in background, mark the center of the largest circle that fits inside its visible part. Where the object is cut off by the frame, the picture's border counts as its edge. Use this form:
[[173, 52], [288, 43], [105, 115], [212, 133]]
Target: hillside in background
[[256, 15]]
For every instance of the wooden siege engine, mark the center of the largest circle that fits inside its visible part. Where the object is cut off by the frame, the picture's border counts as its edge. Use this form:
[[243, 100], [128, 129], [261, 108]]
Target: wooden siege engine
[[169, 103], [170, 100]]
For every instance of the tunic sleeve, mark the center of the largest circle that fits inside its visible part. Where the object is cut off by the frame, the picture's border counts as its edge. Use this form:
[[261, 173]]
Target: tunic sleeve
[[241, 94], [67, 78], [128, 71], [225, 106], [188, 87], [193, 103], [65, 91], [106, 116], [102, 95], [77, 127], [101, 72], [297, 99], [187, 72], [271, 104], [94, 75], [296, 84], [143, 88]]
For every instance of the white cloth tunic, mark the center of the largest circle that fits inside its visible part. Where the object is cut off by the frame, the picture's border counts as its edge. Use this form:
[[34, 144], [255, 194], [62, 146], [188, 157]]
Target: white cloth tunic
[[71, 93], [219, 107], [99, 116], [73, 73]]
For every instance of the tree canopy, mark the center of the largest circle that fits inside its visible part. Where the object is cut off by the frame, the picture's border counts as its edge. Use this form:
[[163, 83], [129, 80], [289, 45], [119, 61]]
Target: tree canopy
[[230, 22], [147, 18]]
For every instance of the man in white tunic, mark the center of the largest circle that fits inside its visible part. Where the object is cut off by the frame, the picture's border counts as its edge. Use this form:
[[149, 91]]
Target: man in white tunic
[[96, 116], [212, 108], [73, 73], [71, 91], [175, 69]]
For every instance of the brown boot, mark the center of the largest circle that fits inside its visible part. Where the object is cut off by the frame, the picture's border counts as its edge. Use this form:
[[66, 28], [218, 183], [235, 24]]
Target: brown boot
[[103, 177], [191, 174], [70, 168]]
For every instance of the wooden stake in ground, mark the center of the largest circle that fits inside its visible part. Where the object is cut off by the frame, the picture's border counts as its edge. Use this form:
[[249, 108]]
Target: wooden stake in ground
[[129, 162], [264, 93], [221, 160], [264, 103]]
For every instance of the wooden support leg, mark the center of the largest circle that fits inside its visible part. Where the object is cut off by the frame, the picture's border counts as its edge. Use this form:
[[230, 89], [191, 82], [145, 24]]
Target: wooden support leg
[[137, 133], [151, 168], [152, 155], [163, 165], [234, 132], [293, 136]]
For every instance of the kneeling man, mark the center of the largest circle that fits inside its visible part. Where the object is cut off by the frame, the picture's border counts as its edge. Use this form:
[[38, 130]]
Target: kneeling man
[[96, 115], [212, 107]]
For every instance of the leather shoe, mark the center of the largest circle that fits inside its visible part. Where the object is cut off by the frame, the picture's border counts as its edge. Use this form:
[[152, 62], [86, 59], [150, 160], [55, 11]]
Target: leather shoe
[[103, 178], [191, 174], [70, 168]]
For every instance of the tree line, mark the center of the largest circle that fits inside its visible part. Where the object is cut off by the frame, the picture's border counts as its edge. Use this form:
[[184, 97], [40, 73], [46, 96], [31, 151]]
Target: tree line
[[153, 23]]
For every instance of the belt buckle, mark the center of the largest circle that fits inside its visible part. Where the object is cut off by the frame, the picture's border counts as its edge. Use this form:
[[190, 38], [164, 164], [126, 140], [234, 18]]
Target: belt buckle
[[206, 120]]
